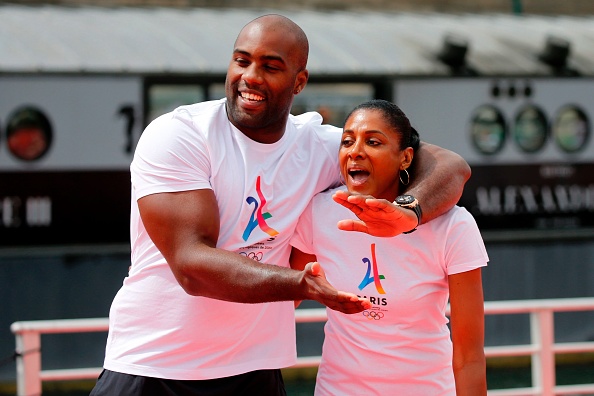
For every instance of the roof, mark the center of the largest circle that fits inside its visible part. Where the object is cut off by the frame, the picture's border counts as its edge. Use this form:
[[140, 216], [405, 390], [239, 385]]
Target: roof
[[58, 39]]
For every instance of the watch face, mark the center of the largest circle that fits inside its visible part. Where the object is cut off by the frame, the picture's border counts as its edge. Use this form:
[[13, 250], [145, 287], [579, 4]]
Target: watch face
[[405, 199]]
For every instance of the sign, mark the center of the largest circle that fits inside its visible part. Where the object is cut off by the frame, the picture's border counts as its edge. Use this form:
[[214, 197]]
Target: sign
[[528, 142], [60, 208], [545, 196], [66, 143]]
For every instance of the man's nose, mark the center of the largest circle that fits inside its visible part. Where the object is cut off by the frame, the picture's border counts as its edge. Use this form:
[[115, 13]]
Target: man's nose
[[252, 74]]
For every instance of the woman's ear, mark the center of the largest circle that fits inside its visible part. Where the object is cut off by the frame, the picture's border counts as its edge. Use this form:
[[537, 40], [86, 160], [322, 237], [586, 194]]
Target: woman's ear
[[408, 154]]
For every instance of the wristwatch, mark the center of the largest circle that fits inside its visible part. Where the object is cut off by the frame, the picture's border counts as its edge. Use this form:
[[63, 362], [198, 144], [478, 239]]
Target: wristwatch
[[410, 202]]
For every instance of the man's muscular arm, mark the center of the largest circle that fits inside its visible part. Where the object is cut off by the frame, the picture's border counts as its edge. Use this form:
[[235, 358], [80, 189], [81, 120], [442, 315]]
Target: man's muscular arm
[[437, 179], [185, 228]]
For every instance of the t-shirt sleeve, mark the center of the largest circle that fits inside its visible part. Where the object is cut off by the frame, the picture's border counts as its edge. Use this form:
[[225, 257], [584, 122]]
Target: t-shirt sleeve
[[302, 238], [465, 249], [171, 156]]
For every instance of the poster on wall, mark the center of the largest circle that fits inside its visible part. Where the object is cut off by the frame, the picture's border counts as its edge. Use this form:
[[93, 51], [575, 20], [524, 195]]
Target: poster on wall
[[528, 142], [531, 197], [66, 143]]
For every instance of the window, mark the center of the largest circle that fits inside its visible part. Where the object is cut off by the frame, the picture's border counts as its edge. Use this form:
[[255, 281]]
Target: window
[[332, 101], [28, 133], [163, 98], [530, 129], [571, 129], [488, 129]]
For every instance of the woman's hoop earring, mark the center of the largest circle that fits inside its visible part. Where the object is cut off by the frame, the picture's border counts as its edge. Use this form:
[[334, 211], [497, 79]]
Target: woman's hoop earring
[[407, 178], [340, 178]]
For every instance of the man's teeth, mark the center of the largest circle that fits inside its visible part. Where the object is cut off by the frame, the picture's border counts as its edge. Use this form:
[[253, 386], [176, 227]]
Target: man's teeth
[[250, 96]]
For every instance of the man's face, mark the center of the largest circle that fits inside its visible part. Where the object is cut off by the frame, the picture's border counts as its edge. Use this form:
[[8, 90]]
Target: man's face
[[261, 80]]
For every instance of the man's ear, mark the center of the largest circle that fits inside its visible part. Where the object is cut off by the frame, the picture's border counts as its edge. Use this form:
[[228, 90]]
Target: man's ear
[[301, 81]]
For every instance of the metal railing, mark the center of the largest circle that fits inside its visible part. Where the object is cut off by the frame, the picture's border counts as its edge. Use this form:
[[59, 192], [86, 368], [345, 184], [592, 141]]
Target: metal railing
[[542, 348]]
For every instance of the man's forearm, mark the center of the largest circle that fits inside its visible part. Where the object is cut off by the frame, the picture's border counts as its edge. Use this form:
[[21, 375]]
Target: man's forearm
[[222, 275], [438, 177]]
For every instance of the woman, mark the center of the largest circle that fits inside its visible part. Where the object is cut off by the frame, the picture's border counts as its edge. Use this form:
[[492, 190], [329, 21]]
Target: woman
[[402, 345]]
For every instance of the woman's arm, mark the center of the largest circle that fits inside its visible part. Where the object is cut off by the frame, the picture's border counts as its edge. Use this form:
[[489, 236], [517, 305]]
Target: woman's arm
[[468, 329], [298, 261]]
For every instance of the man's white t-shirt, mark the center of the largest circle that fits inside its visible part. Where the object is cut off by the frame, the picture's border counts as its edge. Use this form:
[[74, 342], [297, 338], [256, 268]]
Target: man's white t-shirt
[[158, 330], [401, 346]]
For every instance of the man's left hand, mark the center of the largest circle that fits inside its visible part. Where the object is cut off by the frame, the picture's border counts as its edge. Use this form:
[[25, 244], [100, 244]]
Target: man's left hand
[[377, 217]]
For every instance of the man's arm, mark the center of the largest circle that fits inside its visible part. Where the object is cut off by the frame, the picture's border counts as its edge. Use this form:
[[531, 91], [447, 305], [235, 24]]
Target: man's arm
[[437, 179], [185, 227]]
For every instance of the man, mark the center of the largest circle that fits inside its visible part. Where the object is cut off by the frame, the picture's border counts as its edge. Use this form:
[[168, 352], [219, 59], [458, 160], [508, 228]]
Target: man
[[218, 188]]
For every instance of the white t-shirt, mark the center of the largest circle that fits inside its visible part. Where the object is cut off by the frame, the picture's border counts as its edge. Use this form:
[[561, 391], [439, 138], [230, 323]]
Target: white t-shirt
[[401, 346], [158, 330]]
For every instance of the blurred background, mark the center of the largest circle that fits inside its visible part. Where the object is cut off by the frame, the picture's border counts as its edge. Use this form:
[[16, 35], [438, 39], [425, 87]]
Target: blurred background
[[506, 84]]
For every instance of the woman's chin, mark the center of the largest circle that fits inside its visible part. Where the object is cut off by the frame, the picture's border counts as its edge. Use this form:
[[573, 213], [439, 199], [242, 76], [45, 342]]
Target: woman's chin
[[356, 188]]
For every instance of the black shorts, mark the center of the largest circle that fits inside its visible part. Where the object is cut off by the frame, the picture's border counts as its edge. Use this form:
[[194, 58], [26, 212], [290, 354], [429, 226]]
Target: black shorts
[[261, 383]]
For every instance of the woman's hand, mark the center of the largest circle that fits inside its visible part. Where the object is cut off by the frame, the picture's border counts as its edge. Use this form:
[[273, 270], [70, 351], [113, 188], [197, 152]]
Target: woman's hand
[[377, 217]]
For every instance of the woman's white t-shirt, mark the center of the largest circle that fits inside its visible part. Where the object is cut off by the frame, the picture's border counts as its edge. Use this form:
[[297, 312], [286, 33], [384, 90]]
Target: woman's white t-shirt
[[401, 346]]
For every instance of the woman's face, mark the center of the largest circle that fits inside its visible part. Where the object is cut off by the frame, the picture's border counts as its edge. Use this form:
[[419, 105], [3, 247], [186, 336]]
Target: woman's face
[[370, 157]]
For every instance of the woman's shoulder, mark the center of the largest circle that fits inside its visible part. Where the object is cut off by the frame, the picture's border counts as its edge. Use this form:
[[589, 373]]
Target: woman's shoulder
[[456, 220], [324, 205]]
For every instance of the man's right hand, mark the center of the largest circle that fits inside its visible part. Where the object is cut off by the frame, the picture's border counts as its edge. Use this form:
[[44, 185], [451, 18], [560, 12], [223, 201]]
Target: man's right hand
[[319, 289]]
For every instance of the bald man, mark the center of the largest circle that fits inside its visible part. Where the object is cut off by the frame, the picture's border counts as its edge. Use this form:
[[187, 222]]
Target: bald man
[[218, 187]]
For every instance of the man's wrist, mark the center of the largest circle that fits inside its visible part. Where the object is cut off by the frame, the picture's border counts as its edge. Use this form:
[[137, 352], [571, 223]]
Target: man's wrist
[[408, 201]]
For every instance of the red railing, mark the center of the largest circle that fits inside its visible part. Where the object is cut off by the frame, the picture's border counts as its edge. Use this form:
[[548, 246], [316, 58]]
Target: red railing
[[542, 348]]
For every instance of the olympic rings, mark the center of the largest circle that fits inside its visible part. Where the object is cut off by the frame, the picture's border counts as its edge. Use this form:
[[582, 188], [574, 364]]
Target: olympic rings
[[373, 315], [254, 256]]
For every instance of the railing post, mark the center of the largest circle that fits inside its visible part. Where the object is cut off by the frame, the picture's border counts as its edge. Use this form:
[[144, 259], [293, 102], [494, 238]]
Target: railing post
[[28, 363], [543, 360]]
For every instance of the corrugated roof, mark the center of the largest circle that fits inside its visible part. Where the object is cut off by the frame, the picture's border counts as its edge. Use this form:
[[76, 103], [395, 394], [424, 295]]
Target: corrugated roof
[[199, 41]]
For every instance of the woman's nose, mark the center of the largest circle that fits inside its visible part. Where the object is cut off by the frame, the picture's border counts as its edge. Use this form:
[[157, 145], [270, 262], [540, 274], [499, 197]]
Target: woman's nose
[[357, 149]]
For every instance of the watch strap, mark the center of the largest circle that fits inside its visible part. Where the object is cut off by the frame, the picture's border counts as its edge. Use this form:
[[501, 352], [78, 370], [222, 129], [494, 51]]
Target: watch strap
[[416, 208]]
